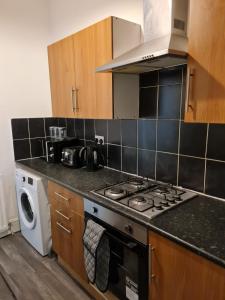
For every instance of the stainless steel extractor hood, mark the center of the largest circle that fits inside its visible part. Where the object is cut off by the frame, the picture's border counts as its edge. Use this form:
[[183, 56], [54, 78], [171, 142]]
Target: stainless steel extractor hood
[[165, 39]]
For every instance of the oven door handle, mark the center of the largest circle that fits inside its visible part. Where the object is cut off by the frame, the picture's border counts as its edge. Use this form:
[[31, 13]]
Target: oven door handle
[[130, 245]]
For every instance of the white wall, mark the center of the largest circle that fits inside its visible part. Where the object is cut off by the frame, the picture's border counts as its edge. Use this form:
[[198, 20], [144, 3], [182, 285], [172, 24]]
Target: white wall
[[26, 27], [24, 83], [67, 17]]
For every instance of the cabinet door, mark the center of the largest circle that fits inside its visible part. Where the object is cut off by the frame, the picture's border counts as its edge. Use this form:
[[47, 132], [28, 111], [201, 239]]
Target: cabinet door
[[84, 55], [206, 62], [62, 77], [93, 47], [178, 274], [103, 81], [62, 240]]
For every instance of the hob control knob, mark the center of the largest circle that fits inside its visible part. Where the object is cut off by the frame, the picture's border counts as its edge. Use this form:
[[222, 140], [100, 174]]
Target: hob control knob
[[128, 228], [177, 197], [95, 210], [158, 206], [164, 203]]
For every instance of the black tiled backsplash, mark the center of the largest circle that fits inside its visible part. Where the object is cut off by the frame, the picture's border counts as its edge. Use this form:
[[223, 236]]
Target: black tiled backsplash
[[158, 145]]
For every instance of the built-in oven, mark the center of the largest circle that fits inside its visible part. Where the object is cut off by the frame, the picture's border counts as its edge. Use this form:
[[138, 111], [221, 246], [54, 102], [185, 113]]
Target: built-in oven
[[128, 271]]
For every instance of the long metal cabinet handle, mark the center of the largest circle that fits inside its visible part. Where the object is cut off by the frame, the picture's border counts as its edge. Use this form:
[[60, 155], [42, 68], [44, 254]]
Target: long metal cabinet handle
[[61, 196], [61, 214], [189, 89], [151, 275], [72, 99], [64, 228]]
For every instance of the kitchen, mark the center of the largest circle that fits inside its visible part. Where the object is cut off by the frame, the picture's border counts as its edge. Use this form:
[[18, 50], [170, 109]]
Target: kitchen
[[112, 161]]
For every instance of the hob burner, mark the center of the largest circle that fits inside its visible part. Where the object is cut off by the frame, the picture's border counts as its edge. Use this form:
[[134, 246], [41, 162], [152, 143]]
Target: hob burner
[[140, 203], [115, 193]]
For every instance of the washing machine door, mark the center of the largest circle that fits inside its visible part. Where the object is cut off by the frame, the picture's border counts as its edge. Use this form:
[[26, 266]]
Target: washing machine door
[[27, 209]]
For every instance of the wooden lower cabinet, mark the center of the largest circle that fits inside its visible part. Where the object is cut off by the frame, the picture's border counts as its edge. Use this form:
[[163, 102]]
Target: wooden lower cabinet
[[67, 221], [179, 274]]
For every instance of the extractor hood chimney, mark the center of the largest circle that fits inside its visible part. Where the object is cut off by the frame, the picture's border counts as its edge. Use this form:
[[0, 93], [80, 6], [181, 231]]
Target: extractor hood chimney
[[165, 39]]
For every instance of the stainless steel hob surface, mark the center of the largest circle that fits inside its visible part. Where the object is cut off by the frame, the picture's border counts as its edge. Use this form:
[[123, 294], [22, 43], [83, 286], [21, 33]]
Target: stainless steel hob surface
[[146, 197]]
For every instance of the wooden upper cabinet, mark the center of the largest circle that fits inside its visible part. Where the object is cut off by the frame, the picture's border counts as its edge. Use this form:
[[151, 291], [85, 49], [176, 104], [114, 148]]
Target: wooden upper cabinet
[[206, 62], [93, 47], [77, 90], [103, 81], [179, 274], [62, 77]]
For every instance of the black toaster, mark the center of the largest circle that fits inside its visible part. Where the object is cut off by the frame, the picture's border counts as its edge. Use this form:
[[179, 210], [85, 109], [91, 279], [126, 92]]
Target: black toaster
[[71, 157]]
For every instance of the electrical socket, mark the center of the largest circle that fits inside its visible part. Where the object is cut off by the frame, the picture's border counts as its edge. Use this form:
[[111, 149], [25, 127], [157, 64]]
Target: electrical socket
[[99, 139]]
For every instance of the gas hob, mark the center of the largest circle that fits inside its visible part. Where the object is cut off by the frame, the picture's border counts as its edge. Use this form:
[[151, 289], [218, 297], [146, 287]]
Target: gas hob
[[148, 198]]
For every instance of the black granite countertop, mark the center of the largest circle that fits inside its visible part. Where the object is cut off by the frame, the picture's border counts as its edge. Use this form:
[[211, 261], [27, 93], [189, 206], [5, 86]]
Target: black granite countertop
[[198, 224]]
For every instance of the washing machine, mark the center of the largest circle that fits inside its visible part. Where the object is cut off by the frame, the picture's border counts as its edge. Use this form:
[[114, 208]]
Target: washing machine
[[34, 210]]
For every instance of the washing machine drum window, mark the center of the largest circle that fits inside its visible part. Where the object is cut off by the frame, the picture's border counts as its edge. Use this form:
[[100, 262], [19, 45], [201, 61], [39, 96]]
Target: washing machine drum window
[[26, 207]]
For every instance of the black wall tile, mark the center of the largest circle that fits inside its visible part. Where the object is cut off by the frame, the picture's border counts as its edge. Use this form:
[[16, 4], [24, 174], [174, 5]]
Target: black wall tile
[[21, 149], [166, 167], [215, 178], [50, 122], [169, 102], [148, 103], [114, 132], [129, 133], [129, 160], [193, 139], [37, 147], [114, 157], [79, 128], [170, 76], [70, 127], [89, 130], [167, 136], [36, 126], [146, 163], [191, 173], [20, 128], [62, 122], [149, 79], [216, 142], [101, 128], [147, 134]]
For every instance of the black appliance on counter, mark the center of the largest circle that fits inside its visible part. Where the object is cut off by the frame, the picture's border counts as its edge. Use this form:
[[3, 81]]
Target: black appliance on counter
[[71, 157], [53, 148], [129, 259], [93, 157]]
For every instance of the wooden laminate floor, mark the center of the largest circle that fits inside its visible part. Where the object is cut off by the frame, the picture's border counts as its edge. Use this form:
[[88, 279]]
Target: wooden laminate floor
[[26, 275]]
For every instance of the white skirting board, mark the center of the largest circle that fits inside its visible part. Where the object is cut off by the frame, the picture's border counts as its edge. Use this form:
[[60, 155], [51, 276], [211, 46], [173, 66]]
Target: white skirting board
[[3, 212], [14, 226]]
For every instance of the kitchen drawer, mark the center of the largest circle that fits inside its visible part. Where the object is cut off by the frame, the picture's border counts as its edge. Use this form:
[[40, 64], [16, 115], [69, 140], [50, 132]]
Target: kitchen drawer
[[64, 199], [62, 237]]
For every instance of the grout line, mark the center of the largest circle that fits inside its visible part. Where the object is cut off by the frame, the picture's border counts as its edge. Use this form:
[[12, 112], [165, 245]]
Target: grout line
[[29, 136], [84, 132], [156, 128], [107, 150], [74, 127], [121, 143], [137, 125], [44, 128], [206, 150], [179, 128]]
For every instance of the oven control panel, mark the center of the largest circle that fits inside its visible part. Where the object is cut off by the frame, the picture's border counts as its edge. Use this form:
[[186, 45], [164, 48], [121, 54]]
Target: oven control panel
[[121, 223]]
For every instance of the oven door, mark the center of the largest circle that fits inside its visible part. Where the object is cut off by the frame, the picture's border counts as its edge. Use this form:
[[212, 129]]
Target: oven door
[[128, 275]]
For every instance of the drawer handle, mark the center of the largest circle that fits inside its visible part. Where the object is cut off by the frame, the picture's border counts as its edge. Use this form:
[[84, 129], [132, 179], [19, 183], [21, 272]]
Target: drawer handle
[[62, 215], [61, 196], [64, 228]]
